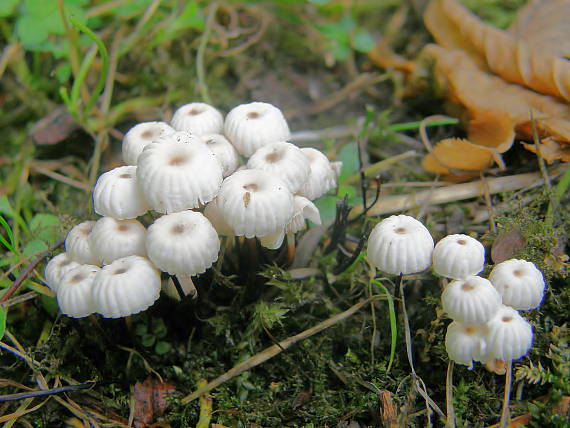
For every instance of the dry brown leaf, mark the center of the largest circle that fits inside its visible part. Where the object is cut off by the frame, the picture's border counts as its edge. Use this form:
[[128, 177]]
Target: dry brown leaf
[[544, 25], [457, 154], [150, 400], [507, 245], [492, 128], [551, 150], [479, 91], [455, 27]]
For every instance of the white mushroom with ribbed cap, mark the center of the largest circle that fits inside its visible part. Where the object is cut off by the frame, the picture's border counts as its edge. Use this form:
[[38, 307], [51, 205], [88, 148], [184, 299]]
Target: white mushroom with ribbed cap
[[198, 119], [509, 336], [77, 244], [126, 286], [472, 300], [322, 176], [116, 194], [183, 243], [253, 125], [178, 173], [141, 135], [113, 239], [74, 291], [400, 244], [519, 282], [56, 268], [465, 343], [255, 203], [284, 160], [225, 152], [458, 256]]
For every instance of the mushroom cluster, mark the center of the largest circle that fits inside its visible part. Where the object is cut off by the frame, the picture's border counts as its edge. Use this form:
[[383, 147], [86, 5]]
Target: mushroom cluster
[[486, 324], [200, 177]]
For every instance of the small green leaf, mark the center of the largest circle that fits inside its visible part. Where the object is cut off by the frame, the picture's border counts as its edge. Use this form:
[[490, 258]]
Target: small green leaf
[[363, 42], [162, 348], [7, 7], [45, 227], [348, 155], [327, 208], [148, 340], [3, 316], [34, 247]]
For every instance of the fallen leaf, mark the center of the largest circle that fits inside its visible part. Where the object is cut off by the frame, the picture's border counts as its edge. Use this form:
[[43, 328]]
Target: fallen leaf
[[457, 154], [150, 400], [506, 245], [550, 150], [492, 128], [544, 25], [54, 128], [455, 27]]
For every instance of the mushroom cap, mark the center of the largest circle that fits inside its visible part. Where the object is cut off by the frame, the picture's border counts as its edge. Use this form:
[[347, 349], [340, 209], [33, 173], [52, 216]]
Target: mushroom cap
[[458, 256], [322, 176], [255, 203], [74, 291], [212, 212], [465, 343], [113, 239], [472, 300], [304, 209], [400, 244], [126, 286], [519, 282], [224, 151], [139, 136], [56, 268], [183, 243], [198, 119], [116, 194], [251, 126], [284, 160], [178, 173], [509, 336], [272, 241], [77, 244]]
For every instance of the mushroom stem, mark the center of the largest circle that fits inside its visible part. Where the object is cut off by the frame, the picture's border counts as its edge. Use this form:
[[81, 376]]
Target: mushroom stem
[[507, 396], [449, 395], [290, 248], [178, 286]]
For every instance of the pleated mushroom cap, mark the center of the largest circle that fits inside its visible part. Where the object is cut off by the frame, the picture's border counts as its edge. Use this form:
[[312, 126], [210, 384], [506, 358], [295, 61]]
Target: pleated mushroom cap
[[509, 336], [198, 119], [458, 256], [304, 209], [400, 244], [178, 173], [519, 282], [113, 239], [284, 160], [465, 343], [471, 301], [141, 135], [251, 126], [183, 243], [322, 176], [224, 151], [56, 268], [77, 244], [126, 286], [255, 203], [74, 291], [116, 194]]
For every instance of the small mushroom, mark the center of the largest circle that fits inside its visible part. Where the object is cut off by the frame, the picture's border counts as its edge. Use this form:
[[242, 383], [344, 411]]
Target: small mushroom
[[458, 256], [465, 343], [141, 135], [74, 291], [56, 268], [77, 244], [113, 239], [323, 174], [198, 119], [225, 153], [519, 282]]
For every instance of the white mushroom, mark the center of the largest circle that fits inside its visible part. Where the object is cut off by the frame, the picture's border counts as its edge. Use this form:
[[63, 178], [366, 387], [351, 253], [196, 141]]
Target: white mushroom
[[251, 126], [323, 174], [77, 244], [116, 194], [465, 343], [56, 268], [224, 151], [198, 119], [74, 291], [458, 256], [113, 239], [519, 282], [509, 336], [139, 136]]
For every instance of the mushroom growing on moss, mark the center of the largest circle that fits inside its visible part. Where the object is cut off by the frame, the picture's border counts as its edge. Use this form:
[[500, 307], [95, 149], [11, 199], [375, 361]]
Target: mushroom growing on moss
[[74, 291], [77, 244], [519, 282], [458, 256], [113, 239], [198, 119], [141, 135]]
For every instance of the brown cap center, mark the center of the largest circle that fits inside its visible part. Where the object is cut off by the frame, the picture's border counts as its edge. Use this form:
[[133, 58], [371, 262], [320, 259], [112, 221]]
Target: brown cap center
[[253, 115], [148, 134], [122, 228], [177, 160], [195, 111], [467, 287], [518, 273], [274, 157], [120, 271], [400, 230], [251, 187], [178, 229], [507, 318], [78, 277], [125, 175], [462, 242]]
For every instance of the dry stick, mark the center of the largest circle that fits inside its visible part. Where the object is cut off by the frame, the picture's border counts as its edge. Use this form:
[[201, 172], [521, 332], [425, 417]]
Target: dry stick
[[457, 192], [272, 351], [507, 396], [61, 178], [206, 407], [449, 395], [28, 270], [53, 391]]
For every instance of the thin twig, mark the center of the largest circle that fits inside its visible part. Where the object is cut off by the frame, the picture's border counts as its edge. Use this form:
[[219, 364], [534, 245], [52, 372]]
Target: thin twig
[[28, 270], [200, 70], [53, 391], [275, 350], [507, 396]]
